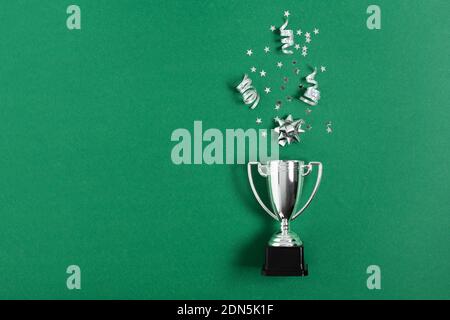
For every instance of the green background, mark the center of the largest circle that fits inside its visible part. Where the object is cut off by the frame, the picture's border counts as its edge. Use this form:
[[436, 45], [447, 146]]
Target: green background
[[86, 176]]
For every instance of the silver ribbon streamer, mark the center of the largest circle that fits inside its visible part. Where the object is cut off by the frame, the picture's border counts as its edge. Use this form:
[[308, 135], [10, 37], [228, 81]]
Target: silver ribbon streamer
[[312, 94], [287, 38], [248, 92]]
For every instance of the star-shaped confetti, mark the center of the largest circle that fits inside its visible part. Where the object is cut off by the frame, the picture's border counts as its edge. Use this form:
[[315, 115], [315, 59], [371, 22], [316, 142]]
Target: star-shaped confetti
[[304, 48], [258, 121], [264, 134], [272, 28], [266, 49], [307, 35], [249, 52], [253, 69], [288, 130], [267, 90], [279, 64], [299, 32], [287, 14], [278, 105], [329, 128], [323, 69], [316, 31], [297, 46], [263, 73], [304, 53]]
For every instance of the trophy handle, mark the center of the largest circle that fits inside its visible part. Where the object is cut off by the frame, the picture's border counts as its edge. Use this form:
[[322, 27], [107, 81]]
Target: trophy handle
[[319, 178], [252, 185]]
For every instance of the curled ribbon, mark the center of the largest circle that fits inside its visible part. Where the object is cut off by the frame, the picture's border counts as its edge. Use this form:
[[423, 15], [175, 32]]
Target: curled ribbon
[[312, 94], [287, 38], [248, 92]]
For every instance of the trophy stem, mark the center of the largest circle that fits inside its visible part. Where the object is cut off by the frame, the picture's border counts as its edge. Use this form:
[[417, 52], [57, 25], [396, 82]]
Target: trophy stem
[[284, 237], [284, 227]]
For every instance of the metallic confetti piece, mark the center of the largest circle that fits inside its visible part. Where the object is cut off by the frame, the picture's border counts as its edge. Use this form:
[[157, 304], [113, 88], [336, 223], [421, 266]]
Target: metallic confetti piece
[[329, 128], [248, 92], [312, 94], [288, 130], [287, 39]]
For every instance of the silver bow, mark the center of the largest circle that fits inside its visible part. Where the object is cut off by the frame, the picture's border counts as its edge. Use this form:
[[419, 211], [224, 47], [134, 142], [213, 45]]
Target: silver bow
[[288, 130]]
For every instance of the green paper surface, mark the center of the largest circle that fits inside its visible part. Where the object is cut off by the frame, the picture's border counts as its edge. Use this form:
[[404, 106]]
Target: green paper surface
[[86, 175]]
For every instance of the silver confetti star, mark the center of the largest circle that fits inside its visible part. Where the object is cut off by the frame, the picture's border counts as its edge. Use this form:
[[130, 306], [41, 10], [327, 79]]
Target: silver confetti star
[[287, 14], [308, 40], [329, 128], [266, 49], [297, 46], [278, 105], [253, 69], [316, 31], [272, 28], [263, 73], [249, 52], [267, 90], [323, 69], [279, 64], [307, 35], [288, 130], [258, 121], [264, 134], [299, 32]]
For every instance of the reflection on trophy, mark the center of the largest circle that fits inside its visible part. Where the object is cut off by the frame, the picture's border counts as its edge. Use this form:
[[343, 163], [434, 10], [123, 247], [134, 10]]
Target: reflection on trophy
[[284, 253]]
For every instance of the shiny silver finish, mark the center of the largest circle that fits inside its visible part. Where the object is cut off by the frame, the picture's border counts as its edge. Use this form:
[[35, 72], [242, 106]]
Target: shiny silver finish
[[285, 182]]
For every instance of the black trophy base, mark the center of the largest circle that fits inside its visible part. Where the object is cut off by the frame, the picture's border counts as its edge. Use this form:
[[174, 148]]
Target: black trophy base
[[285, 261]]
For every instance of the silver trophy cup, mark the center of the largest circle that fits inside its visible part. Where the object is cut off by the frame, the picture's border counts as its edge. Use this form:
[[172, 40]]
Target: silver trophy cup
[[284, 182]]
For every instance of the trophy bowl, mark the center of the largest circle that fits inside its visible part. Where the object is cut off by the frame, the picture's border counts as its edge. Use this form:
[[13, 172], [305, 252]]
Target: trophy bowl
[[284, 253]]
